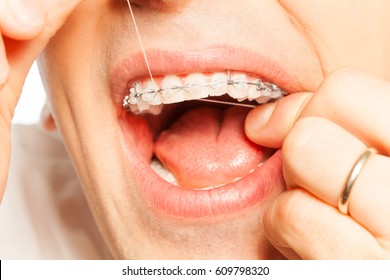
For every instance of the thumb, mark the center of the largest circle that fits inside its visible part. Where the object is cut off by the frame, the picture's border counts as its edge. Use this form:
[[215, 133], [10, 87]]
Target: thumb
[[268, 124], [57, 11], [20, 54], [20, 44]]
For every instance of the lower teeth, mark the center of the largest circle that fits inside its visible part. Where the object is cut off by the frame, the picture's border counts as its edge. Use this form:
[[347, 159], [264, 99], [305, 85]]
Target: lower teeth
[[164, 173]]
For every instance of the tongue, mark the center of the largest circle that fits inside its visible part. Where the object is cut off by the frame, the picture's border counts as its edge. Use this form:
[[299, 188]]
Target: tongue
[[207, 147]]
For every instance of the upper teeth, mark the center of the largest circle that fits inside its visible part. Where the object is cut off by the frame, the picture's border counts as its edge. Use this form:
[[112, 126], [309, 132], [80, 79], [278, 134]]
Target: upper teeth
[[199, 86]]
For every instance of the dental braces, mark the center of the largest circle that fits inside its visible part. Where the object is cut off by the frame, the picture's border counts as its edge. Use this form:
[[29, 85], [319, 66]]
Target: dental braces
[[269, 91]]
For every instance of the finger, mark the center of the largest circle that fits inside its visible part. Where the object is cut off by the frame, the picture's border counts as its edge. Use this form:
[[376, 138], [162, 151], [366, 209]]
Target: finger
[[19, 57], [5, 121], [4, 67], [268, 124], [57, 11], [347, 97], [302, 226], [21, 54], [4, 156], [21, 19], [357, 102], [319, 155]]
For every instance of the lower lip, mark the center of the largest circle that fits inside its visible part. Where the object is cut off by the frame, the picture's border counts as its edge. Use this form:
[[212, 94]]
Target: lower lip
[[231, 198]]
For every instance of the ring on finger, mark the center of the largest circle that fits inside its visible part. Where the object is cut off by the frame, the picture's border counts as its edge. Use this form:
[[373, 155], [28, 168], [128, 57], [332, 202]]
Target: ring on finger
[[343, 202]]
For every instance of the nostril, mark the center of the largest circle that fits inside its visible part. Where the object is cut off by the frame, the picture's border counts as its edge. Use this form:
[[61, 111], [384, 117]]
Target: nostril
[[136, 3], [164, 6]]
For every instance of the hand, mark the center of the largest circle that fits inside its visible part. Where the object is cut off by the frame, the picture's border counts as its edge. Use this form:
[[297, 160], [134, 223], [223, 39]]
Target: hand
[[25, 29], [322, 135]]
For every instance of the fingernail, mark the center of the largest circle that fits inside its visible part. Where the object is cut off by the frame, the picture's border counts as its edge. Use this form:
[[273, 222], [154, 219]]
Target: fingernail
[[27, 12], [259, 117]]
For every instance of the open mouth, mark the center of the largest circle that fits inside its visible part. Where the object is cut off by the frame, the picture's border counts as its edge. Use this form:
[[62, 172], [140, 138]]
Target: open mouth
[[190, 158]]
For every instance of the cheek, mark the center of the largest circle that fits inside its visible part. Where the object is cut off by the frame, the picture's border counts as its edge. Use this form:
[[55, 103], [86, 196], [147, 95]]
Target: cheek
[[331, 26], [78, 58]]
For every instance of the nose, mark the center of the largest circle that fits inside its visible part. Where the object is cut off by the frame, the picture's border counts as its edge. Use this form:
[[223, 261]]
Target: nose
[[161, 5]]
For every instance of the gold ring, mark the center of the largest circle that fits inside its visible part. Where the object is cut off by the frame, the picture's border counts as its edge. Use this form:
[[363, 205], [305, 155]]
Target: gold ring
[[353, 175]]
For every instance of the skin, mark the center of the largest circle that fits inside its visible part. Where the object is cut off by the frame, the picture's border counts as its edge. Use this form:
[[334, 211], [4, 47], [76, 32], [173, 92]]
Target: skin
[[333, 112]]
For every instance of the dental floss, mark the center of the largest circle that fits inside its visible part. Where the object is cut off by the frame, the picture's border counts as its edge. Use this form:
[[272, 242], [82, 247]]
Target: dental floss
[[141, 44], [227, 103]]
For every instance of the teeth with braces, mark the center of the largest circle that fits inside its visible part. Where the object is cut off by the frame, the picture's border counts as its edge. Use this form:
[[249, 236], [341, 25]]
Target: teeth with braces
[[151, 100]]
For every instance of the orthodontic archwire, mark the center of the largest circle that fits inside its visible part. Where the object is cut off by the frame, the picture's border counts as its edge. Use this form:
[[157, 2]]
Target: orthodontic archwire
[[267, 89]]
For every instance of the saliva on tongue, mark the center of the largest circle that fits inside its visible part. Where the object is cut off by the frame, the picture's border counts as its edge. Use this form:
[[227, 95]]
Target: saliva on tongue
[[207, 147]]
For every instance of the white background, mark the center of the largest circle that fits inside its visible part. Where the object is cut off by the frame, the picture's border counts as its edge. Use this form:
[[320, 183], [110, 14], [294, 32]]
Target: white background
[[32, 99]]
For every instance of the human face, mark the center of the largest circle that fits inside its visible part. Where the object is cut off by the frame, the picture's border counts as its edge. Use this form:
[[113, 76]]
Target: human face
[[91, 63]]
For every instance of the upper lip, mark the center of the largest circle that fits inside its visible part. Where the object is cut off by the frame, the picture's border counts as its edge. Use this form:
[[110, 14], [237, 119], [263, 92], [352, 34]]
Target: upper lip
[[211, 59]]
